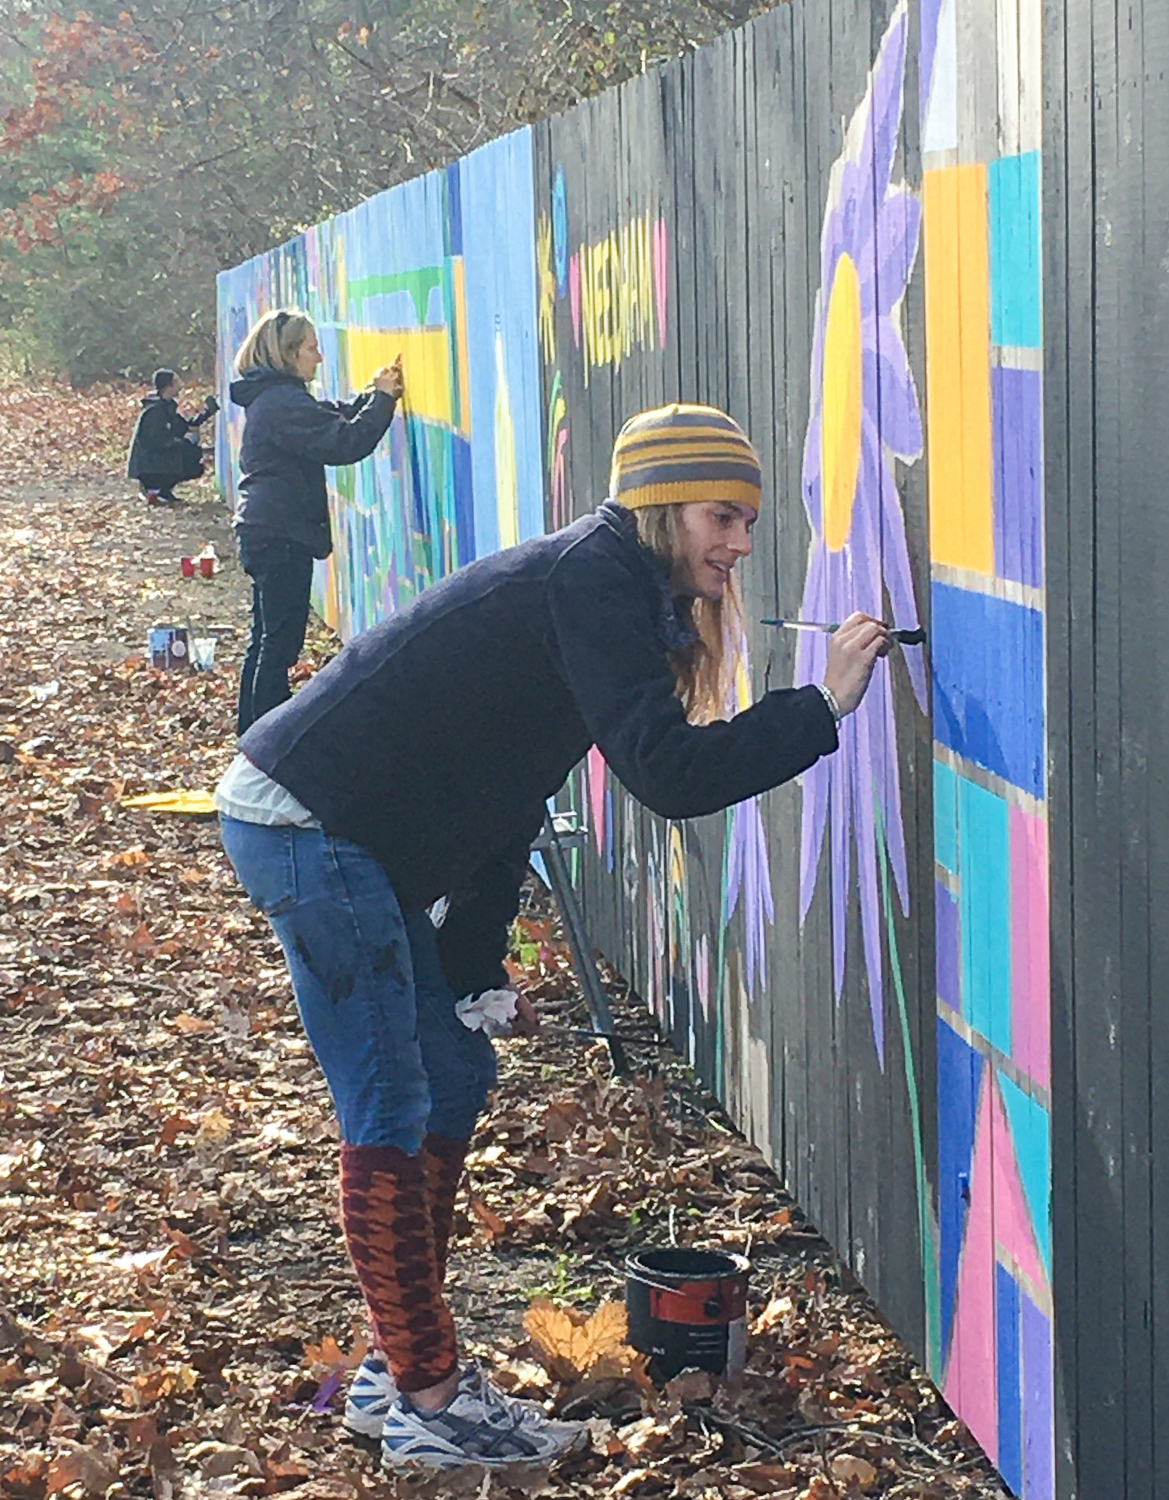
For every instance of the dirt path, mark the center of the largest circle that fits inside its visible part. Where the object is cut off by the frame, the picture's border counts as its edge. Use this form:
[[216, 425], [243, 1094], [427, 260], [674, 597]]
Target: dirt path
[[176, 1305]]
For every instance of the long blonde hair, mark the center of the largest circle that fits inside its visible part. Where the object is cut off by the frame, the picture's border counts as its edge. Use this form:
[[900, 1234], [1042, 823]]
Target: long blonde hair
[[705, 670], [274, 341]]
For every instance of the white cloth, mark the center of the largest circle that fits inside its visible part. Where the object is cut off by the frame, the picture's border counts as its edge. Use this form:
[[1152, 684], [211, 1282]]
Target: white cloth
[[492, 1011], [249, 794]]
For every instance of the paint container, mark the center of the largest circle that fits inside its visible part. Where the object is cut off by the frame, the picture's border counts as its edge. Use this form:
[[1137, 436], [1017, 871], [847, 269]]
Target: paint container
[[688, 1310], [168, 647], [187, 567], [203, 652]]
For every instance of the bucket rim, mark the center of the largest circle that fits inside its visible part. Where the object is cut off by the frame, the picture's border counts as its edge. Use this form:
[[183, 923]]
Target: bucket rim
[[736, 1265]]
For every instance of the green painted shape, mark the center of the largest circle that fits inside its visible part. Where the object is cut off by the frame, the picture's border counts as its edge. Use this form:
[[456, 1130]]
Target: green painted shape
[[419, 284], [927, 1228]]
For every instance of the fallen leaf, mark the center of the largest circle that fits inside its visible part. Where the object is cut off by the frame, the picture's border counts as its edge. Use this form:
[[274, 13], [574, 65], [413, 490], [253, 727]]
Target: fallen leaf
[[851, 1469]]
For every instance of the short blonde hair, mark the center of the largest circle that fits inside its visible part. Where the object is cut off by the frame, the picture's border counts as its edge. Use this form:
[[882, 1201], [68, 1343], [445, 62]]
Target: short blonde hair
[[274, 341]]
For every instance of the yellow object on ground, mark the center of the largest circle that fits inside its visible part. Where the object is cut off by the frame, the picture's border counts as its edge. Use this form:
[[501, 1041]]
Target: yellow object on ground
[[195, 804]]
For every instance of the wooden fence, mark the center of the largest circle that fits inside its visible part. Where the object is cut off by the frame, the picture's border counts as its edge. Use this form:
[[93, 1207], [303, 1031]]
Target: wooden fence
[[918, 249]]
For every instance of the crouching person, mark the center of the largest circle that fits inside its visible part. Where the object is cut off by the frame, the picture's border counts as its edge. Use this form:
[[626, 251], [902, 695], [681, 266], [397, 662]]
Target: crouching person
[[163, 450]]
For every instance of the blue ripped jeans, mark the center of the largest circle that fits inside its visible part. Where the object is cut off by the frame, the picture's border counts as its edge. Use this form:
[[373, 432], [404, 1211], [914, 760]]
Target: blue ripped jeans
[[369, 986]]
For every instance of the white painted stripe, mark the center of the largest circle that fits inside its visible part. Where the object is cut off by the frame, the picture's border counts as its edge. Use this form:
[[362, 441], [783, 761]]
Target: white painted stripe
[[985, 583], [978, 1043], [1014, 795], [1012, 357], [1040, 1295], [940, 132]]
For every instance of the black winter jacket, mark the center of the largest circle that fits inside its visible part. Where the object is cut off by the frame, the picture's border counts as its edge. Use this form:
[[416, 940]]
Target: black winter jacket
[[159, 448], [289, 437], [434, 739]]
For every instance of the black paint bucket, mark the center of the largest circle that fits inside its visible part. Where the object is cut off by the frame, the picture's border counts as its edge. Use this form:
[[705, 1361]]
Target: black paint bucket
[[688, 1310]]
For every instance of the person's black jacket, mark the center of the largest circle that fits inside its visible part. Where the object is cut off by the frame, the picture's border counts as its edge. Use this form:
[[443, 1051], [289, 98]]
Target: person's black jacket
[[434, 739], [289, 437], [159, 447]]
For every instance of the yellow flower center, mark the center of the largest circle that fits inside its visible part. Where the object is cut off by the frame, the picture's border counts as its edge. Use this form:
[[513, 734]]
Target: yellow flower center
[[840, 404]]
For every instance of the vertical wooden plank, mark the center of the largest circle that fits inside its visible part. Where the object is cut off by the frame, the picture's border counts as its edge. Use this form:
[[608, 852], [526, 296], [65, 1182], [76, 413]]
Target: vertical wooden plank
[[1065, 164], [1147, 615], [1137, 584]]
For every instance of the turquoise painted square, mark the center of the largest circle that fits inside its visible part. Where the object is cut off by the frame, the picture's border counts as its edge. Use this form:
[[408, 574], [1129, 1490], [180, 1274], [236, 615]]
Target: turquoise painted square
[[1016, 305], [945, 817], [985, 912]]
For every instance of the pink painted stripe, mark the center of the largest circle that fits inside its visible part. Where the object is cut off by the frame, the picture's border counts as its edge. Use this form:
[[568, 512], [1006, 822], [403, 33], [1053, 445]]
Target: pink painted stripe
[[1030, 955], [596, 777]]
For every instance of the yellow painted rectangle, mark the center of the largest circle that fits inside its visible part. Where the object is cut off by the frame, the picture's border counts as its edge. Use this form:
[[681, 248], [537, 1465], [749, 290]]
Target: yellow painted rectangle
[[957, 320], [426, 365]]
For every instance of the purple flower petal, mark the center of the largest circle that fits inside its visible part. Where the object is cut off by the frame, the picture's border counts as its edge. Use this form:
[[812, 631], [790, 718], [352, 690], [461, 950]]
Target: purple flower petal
[[816, 792], [810, 485], [883, 127], [841, 844], [889, 786], [898, 231], [864, 774], [890, 398], [899, 576]]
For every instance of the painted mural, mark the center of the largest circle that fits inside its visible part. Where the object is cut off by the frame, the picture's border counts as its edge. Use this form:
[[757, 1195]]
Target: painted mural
[[461, 473], [981, 137], [863, 1010]]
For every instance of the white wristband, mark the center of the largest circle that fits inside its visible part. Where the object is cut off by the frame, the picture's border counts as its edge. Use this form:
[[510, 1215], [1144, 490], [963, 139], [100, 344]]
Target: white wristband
[[830, 699]]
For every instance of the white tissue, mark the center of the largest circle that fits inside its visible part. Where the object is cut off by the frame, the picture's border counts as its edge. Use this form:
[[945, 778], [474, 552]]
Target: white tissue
[[491, 1011]]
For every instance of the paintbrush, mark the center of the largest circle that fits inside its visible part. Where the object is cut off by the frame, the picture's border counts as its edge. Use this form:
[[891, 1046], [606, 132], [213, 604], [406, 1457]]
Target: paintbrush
[[915, 637]]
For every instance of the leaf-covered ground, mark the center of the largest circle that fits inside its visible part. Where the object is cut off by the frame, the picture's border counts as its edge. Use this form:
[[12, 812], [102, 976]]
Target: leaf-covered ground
[[176, 1309]]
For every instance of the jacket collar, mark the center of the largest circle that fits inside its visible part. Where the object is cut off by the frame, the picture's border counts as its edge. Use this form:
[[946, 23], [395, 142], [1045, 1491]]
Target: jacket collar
[[675, 624]]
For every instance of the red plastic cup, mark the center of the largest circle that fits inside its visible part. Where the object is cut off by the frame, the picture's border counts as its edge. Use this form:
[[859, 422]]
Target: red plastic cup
[[207, 566], [187, 564]]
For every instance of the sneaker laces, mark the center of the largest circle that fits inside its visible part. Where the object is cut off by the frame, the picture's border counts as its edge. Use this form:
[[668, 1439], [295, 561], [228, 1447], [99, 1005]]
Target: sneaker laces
[[495, 1403]]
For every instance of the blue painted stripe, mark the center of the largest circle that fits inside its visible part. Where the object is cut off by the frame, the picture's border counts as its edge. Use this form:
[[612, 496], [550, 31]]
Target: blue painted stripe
[[988, 683], [959, 1073], [1008, 1378]]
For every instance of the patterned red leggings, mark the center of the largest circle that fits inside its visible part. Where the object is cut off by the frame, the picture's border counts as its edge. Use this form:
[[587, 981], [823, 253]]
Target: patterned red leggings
[[397, 1211]]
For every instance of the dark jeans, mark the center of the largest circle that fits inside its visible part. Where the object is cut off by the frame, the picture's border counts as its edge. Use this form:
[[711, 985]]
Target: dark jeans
[[282, 577], [369, 985]]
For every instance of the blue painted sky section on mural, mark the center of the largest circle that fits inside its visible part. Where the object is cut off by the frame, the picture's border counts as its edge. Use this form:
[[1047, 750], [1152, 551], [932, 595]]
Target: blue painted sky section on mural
[[496, 184], [988, 677]]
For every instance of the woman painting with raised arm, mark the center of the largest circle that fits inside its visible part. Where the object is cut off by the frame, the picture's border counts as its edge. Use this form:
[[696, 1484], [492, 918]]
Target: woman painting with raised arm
[[282, 511], [416, 766]]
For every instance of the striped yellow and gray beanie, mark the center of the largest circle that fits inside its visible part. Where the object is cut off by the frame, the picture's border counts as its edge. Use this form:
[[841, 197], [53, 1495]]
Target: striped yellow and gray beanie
[[678, 453]]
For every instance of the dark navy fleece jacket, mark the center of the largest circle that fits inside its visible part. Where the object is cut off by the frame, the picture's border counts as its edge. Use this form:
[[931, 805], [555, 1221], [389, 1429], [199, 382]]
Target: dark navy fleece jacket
[[289, 437], [434, 739]]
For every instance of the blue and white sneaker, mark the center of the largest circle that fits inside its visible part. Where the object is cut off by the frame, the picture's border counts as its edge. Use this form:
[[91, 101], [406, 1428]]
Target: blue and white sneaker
[[479, 1427], [371, 1395], [372, 1392]]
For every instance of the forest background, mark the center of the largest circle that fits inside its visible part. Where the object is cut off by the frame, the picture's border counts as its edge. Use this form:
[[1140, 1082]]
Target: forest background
[[147, 144]]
